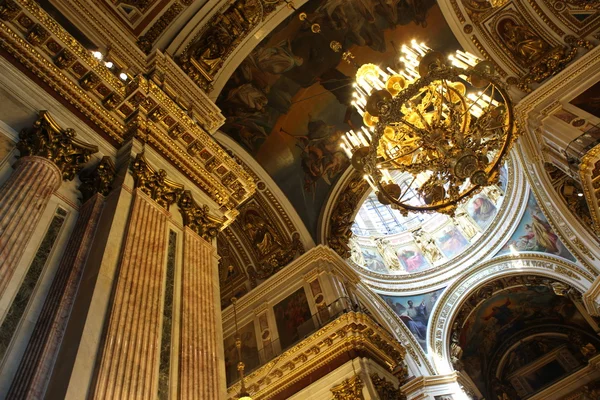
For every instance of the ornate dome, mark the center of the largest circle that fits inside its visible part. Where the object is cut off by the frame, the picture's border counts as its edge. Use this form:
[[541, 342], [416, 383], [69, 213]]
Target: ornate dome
[[385, 242]]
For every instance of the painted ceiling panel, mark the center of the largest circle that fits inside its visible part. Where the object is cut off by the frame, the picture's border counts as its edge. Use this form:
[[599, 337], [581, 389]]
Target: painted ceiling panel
[[288, 103]]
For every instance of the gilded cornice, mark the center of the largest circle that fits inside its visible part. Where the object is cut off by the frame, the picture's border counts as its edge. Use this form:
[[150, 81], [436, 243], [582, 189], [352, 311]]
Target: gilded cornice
[[350, 331], [99, 180], [48, 140], [68, 68]]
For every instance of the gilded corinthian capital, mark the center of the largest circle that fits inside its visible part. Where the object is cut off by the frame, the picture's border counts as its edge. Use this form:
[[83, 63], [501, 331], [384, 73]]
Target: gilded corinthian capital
[[99, 180], [197, 217], [155, 183], [47, 139]]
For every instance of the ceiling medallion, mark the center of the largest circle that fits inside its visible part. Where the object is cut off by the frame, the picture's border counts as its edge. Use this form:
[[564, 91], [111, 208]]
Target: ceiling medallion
[[435, 132]]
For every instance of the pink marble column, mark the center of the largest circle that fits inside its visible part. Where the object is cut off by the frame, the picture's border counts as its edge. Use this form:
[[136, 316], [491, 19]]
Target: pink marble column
[[129, 363], [199, 376], [40, 355], [23, 199]]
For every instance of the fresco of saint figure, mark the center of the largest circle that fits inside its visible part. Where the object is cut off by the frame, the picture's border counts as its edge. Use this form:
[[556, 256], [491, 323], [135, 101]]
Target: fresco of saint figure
[[415, 311], [534, 233], [451, 242], [412, 259], [482, 210]]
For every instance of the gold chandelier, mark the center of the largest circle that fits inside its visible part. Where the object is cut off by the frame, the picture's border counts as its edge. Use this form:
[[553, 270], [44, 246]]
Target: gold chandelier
[[434, 132]]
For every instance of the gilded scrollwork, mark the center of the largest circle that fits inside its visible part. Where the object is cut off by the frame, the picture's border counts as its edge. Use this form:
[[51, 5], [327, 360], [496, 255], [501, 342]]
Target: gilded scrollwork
[[155, 183], [349, 389], [552, 62], [272, 251], [342, 216], [386, 389], [47, 139], [99, 180], [197, 217]]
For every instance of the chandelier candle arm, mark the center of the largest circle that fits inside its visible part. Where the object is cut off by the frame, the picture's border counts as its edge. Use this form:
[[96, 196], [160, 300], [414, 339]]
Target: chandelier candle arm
[[438, 128]]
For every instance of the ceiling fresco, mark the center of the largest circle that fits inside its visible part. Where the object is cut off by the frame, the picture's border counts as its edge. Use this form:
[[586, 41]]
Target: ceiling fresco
[[415, 312], [288, 103], [522, 339], [385, 242], [534, 233]]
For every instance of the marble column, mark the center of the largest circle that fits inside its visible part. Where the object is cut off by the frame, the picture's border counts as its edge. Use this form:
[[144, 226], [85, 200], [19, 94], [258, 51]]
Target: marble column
[[23, 199], [35, 369], [130, 359], [201, 330], [48, 154]]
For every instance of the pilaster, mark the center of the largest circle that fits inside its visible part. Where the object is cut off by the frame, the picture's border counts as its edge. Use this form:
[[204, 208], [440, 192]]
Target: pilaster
[[130, 358], [202, 366]]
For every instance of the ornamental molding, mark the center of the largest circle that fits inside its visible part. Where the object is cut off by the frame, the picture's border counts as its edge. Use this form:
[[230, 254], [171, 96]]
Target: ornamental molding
[[48, 140], [349, 389], [451, 300], [314, 258], [397, 327], [351, 331], [47, 51]]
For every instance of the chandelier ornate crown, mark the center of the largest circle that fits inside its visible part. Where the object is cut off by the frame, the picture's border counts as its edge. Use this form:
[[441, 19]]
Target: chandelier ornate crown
[[435, 132]]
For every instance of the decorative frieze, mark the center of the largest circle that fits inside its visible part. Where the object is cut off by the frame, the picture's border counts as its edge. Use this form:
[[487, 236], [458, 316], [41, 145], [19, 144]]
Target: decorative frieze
[[110, 103]]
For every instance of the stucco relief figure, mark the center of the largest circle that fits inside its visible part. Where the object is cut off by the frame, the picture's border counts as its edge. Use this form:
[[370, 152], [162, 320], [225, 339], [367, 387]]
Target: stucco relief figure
[[462, 220], [427, 246], [523, 42], [356, 254], [261, 233], [388, 254], [211, 48]]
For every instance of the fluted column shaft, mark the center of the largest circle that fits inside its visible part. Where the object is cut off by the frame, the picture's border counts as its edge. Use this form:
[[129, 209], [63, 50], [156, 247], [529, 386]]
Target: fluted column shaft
[[199, 374], [40, 355], [129, 362], [23, 199]]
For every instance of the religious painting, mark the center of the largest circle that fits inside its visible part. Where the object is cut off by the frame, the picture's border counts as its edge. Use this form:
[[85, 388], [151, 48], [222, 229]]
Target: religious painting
[[450, 241], [374, 260], [414, 311], [249, 353], [589, 101], [505, 317], [534, 233], [293, 318], [289, 102], [411, 259], [482, 210]]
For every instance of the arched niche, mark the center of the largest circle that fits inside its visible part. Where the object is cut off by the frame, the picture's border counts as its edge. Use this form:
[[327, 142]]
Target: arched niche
[[474, 279]]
